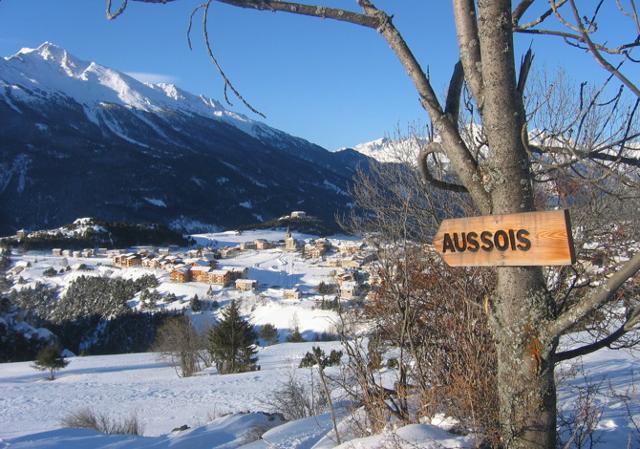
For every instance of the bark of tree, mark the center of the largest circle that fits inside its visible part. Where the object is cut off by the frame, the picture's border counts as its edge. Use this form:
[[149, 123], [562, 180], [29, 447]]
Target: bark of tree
[[526, 386]]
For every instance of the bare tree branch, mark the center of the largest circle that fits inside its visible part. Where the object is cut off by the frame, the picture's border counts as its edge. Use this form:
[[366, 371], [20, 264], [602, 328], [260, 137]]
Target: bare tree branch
[[120, 10], [324, 12], [227, 82], [519, 10], [431, 149], [525, 67], [295, 8], [573, 40], [452, 105], [469, 44], [597, 55], [538, 20], [581, 309], [583, 155], [628, 326]]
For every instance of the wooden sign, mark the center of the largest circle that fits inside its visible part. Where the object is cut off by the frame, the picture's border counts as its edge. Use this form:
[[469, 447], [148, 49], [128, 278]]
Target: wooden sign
[[529, 238]]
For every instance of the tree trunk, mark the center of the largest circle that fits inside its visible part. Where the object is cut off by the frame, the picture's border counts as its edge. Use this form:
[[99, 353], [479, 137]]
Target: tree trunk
[[526, 384], [521, 305]]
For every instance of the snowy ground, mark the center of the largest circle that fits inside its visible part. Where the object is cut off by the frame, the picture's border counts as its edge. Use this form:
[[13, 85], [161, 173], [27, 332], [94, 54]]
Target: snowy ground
[[140, 384]]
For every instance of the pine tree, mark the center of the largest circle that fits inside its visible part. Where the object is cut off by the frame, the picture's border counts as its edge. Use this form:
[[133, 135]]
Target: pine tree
[[295, 336], [232, 342], [196, 304], [269, 334], [50, 358]]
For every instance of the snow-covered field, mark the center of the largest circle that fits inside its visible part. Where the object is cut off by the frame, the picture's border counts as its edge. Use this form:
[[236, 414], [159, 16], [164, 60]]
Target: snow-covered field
[[141, 384]]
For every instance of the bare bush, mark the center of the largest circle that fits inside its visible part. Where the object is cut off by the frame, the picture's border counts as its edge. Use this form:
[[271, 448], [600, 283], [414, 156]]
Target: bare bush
[[90, 419], [179, 342], [433, 319], [294, 400]]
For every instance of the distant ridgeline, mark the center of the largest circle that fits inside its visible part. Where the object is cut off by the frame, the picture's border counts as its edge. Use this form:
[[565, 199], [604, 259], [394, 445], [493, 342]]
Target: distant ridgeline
[[305, 224], [91, 233]]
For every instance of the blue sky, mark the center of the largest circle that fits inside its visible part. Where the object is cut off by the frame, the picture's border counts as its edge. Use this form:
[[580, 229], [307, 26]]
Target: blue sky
[[333, 84]]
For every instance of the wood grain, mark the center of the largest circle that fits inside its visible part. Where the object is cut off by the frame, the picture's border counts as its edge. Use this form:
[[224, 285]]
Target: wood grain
[[548, 234]]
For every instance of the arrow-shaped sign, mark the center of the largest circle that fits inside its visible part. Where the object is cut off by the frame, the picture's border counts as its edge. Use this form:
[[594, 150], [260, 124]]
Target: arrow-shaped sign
[[529, 238]]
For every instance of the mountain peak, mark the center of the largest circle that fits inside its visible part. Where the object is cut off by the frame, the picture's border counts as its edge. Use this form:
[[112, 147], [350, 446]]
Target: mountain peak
[[47, 51], [51, 70]]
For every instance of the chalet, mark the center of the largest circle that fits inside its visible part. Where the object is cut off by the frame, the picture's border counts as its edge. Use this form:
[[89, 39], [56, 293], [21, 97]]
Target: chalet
[[180, 274], [350, 290], [144, 250], [119, 259], [87, 252], [56, 252], [102, 251], [291, 293], [66, 252], [133, 260], [350, 248], [247, 245], [156, 262], [163, 251], [229, 251], [200, 273], [220, 277], [263, 244], [200, 262], [246, 285], [318, 249], [76, 253], [346, 276], [168, 262]]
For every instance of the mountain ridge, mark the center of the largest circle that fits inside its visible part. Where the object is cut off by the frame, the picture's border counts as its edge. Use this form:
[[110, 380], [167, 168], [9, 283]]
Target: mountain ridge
[[82, 139]]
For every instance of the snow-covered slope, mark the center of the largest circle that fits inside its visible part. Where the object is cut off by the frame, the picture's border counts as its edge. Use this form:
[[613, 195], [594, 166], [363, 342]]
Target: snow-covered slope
[[140, 384], [47, 71], [391, 150]]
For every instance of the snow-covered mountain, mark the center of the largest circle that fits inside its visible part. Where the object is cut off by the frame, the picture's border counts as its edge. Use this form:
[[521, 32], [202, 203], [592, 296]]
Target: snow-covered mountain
[[82, 139], [49, 71], [391, 150]]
